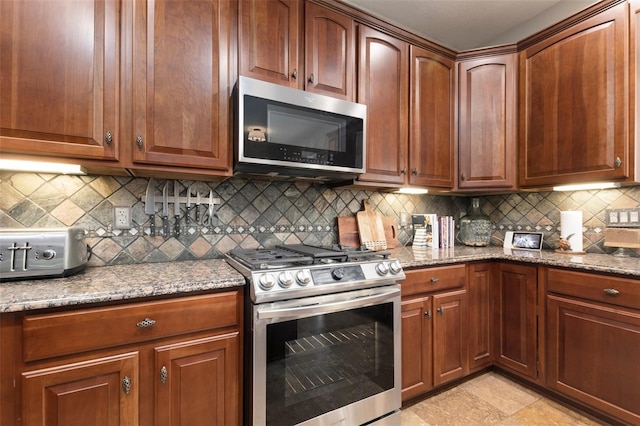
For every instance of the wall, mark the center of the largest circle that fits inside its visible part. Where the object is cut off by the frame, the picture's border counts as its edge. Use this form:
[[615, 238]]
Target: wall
[[262, 213]]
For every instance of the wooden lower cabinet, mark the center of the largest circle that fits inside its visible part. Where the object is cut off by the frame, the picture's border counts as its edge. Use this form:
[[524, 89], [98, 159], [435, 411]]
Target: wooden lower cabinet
[[593, 341], [480, 308], [196, 382], [434, 329], [417, 337], [449, 336], [515, 319], [163, 364], [101, 391], [592, 355]]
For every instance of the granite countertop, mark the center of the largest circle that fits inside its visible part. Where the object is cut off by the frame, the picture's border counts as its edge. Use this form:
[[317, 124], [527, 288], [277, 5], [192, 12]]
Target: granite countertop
[[410, 257], [123, 282]]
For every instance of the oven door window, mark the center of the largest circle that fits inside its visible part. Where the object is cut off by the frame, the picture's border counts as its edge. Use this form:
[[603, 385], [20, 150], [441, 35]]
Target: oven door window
[[318, 364]]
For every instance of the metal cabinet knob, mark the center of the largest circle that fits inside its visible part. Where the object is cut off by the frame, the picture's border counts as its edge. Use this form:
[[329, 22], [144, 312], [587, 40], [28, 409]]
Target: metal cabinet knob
[[164, 374], [108, 138], [435, 279], [126, 385], [440, 310], [462, 177], [617, 163], [294, 74], [403, 171], [146, 323], [311, 78], [427, 314], [139, 141], [414, 172]]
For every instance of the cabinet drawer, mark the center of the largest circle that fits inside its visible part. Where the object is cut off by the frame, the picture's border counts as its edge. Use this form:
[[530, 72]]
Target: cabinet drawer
[[433, 279], [597, 287], [64, 333]]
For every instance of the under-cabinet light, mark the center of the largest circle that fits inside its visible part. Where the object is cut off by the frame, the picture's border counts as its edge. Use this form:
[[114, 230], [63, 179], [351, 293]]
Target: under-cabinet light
[[587, 186], [42, 167], [412, 191]]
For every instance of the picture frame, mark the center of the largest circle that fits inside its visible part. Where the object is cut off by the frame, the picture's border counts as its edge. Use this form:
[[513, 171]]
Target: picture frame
[[527, 240]]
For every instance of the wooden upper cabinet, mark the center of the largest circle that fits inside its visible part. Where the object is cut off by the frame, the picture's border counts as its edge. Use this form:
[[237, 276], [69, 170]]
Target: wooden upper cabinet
[[383, 86], [60, 78], [330, 53], [573, 103], [270, 41], [432, 119], [182, 77], [487, 123]]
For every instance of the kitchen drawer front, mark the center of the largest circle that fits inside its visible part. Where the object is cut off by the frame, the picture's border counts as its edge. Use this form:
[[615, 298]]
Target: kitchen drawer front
[[64, 333], [428, 280], [596, 287]]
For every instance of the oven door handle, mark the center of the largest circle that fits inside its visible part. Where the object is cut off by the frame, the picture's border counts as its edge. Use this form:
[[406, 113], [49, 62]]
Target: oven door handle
[[379, 296]]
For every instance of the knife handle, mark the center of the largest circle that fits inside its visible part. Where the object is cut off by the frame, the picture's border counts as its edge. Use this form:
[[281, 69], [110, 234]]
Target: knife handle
[[165, 226], [186, 216], [152, 226], [198, 214], [176, 228]]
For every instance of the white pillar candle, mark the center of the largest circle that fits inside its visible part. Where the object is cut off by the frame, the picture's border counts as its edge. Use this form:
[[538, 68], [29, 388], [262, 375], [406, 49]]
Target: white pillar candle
[[571, 228]]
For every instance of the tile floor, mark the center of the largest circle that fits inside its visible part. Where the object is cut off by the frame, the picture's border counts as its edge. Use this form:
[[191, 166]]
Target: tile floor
[[491, 399]]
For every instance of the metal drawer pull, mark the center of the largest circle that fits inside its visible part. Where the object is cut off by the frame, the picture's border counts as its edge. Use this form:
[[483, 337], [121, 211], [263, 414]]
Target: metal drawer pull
[[611, 291], [440, 310], [435, 280], [163, 375], [147, 322], [126, 385]]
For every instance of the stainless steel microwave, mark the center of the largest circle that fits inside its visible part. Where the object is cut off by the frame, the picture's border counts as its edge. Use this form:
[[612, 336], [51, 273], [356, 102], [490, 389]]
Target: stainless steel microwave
[[285, 132]]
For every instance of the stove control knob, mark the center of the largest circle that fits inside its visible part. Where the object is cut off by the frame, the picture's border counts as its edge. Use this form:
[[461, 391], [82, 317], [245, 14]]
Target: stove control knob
[[395, 267], [303, 277], [338, 274], [266, 281], [382, 268], [285, 279]]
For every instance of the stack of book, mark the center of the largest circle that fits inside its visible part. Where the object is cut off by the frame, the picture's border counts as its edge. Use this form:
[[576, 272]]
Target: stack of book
[[441, 231]]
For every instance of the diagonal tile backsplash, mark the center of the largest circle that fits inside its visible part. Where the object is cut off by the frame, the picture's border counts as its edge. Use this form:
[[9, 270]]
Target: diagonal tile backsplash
[[255, 213]]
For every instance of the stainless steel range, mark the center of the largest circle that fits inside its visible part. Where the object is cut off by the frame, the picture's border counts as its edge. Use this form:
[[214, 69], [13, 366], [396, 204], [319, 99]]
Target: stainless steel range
[[323, 336]]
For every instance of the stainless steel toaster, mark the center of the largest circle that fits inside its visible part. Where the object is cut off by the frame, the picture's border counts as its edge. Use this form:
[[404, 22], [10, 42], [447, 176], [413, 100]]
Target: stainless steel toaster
[[40, 253]]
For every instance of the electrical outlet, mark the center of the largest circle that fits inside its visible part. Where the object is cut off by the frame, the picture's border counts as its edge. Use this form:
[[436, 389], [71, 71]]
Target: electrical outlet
[[121, 217]]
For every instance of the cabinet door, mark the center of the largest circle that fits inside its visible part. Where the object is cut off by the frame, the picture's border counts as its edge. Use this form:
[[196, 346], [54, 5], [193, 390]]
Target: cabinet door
[[330, 52], [198, 382], [383, 86], [487, 123], [182, 73], [480, 308], [431, 141], [93, 392], [573, 104], [515, 316], [593, 355], [269, 34], [59, 85], [449, 336], [417, 376]]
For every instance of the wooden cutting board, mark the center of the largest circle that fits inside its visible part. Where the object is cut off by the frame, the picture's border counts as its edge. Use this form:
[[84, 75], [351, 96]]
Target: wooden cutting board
[[348, 235], [371, 228], [390, 232]]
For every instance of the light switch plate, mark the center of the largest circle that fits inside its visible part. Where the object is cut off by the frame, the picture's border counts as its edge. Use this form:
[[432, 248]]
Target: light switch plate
[[623, 218]]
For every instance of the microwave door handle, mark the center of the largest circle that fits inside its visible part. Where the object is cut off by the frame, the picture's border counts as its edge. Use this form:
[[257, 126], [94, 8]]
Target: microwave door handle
[[316, 309]]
